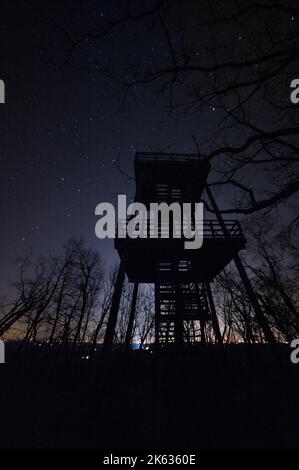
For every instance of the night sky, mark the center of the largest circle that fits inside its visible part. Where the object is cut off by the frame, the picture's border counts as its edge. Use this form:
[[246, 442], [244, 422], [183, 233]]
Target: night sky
[[64, 127], [63, 130]]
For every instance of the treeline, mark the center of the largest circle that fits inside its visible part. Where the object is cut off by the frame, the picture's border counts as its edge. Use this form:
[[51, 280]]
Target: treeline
[[64, 301], [273, 266]]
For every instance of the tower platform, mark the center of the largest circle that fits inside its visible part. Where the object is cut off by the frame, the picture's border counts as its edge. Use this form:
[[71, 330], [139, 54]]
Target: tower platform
[[150, 260]]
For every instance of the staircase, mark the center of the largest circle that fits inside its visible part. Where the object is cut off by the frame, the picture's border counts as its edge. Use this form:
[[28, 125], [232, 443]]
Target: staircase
[[182, 311]]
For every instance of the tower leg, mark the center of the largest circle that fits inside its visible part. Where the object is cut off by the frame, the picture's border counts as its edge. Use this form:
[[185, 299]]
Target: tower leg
[[128, 338], [157, 315], [179, 328], [202, 331], [202, 321], [213, 314], [111, 325], [270, 338]]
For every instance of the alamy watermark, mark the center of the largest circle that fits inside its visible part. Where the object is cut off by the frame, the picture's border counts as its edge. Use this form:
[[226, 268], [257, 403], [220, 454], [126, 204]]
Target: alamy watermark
[[2, 91], [295, 91], [2, 352], [295, 353], [161, 220]]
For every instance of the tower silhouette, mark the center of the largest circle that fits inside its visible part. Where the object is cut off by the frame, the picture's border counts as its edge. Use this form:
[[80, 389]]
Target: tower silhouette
[[185, 313]]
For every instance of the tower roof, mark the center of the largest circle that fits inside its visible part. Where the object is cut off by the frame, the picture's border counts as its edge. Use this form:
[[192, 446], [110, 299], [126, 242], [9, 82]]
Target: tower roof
[[170, 177]]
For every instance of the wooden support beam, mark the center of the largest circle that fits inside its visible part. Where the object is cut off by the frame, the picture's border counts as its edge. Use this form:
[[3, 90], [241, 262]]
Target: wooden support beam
[[129, 331], [112, 320], [215, 322], [261, 319]]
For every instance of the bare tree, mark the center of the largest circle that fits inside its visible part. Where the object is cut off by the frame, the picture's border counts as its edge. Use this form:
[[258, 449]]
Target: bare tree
[[234, 60]]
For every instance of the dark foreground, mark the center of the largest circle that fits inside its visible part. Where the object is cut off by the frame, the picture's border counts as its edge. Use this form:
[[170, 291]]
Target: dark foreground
[[244, 397]]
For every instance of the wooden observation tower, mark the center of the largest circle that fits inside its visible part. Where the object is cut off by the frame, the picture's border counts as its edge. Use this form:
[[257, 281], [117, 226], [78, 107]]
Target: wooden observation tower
[[184, 306]]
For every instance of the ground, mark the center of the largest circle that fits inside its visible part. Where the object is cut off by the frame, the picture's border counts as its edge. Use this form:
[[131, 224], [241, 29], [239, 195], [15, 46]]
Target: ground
[[240, 397]]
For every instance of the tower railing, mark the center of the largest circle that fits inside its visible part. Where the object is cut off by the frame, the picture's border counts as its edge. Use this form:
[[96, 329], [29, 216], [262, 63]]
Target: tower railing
[[166, 157], [212, 229]]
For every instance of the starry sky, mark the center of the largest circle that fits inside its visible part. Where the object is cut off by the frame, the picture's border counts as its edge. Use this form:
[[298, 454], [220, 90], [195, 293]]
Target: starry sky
[[64, 127]]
